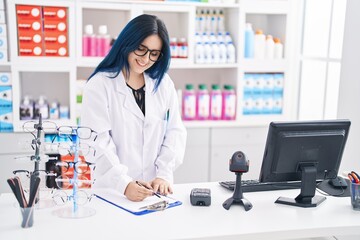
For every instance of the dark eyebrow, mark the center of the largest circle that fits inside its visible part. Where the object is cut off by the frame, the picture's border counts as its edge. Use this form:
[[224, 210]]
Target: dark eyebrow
[[149, 48]]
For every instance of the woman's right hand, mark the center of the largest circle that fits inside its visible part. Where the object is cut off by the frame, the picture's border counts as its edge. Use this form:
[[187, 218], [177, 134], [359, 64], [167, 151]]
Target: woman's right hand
[[137, 193]]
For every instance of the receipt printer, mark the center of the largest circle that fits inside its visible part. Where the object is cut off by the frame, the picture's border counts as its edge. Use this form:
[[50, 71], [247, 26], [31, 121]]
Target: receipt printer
[[200, 197]]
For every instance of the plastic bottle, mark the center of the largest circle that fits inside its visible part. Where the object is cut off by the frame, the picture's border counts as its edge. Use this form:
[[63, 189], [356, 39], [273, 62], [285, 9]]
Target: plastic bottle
[[249, 41], [189, 103], [214, 21], [41, 107], [202, 103], [269, 47], [202, 21], [207, 52], [208, 20], [231, 55], [26, 109], [259, 44], [183, 48], [221, 21], [199, 53], [174, 48], [278, 49], [215, 102], [103, 41], [222, 52], [54, 110], [227, 37], [215, 52], [229, 103], [89, 42]]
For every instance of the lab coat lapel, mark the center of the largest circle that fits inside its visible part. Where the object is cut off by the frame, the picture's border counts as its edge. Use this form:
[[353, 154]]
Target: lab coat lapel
[[129, 99]]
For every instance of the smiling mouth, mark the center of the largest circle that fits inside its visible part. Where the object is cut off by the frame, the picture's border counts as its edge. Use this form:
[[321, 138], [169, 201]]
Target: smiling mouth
[[141, 64]]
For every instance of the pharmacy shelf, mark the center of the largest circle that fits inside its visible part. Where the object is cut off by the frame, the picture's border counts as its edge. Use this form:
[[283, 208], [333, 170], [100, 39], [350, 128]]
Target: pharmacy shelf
[[281, 15]]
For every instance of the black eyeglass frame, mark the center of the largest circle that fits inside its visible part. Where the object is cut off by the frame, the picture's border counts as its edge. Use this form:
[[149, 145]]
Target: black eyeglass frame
[[149, 50]]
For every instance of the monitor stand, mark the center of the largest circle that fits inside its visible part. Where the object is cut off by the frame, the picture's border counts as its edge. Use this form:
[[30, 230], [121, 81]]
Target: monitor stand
[[238, 197], [307, 197]]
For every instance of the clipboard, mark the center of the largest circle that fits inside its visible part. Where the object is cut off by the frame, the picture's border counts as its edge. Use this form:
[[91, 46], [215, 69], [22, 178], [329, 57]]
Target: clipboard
[[137, 208]]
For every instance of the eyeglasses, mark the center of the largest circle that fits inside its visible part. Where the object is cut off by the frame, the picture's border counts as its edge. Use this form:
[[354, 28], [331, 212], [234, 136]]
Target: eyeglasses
[[80, 167], [33, 126], [81, 132], [65, 148], [63, 182], [42, 157], [154, 56], [81, 197], [25, 175]]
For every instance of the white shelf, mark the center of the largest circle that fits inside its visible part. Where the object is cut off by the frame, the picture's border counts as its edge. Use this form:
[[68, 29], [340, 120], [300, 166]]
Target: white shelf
[[180, 19]]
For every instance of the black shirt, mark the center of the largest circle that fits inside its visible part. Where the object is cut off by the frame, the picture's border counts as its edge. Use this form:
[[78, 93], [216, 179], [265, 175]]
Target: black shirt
[[139, 95]]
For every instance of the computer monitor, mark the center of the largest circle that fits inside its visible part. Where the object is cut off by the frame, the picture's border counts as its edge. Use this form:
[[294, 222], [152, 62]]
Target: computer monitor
[[304, 150]]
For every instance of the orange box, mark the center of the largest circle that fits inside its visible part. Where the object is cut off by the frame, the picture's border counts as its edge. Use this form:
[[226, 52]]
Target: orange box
[[29, 12], [70, 173], [30, 49], [55, 25], [29, 25], [30, 37], [55, 13]]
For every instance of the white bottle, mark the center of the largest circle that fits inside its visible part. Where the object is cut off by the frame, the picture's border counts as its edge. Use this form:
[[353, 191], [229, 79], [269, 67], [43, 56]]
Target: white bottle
[[199, 53], [230, 49], [213, 24], [278, 49], [42, 107], [54, 110], [212, 38], [227, 37], [269, 47], [223, 52], [220, 38], [215, 52], [208, 20], [202, 20], [207, 52], [26, 109], [259, 45], [221, 21]]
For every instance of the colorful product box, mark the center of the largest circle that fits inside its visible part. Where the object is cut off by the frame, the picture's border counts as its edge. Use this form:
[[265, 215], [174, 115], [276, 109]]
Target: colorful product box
[[30, 12], [3, 42], [5, 79], [2, 16], [5, 96], [3, 55], [3, 31], [6, 119], [55, 13]]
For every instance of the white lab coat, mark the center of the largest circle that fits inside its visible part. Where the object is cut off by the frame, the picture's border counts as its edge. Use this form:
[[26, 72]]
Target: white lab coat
[[129, 145]]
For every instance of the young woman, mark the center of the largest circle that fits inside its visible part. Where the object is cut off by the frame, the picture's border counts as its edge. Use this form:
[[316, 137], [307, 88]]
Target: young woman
[[131, 102]]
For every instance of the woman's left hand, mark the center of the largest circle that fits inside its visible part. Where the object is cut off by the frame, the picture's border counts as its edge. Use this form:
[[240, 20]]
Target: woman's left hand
[[161, 186]]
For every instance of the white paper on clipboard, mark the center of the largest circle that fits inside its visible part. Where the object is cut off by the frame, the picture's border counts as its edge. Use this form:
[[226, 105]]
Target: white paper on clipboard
[[138, 208]]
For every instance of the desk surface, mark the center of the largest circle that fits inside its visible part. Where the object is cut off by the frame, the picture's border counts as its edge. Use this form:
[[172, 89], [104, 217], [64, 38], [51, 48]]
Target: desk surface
[[266, 220]]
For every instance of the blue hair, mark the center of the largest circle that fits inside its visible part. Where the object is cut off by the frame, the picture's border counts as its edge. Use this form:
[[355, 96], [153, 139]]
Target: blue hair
[[129, 40]]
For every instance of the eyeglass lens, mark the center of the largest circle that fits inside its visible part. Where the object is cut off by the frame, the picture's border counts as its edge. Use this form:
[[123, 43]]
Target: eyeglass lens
[[154, 55]]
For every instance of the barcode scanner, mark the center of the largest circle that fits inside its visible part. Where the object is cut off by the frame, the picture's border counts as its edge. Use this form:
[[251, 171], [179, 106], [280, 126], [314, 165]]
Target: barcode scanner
[[238, 164]]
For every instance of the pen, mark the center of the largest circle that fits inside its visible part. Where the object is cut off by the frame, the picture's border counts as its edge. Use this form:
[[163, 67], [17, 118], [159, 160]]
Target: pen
[[167, 115], [138, 183]]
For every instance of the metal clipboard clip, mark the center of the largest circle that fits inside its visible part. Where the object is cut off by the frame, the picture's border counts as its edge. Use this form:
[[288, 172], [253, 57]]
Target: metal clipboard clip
[[159, 206]]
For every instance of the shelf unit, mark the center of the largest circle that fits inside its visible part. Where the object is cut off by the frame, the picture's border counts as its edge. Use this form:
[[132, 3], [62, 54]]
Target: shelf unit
[[278, 17]]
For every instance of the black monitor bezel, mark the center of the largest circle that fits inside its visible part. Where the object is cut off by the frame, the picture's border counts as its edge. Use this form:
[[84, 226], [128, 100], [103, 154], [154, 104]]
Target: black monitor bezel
[[272, 145]]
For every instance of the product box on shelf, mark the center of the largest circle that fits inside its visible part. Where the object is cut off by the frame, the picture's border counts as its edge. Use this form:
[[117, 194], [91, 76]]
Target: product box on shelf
[[5, 96], [3, 31], [5, 79], [6, 119]]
